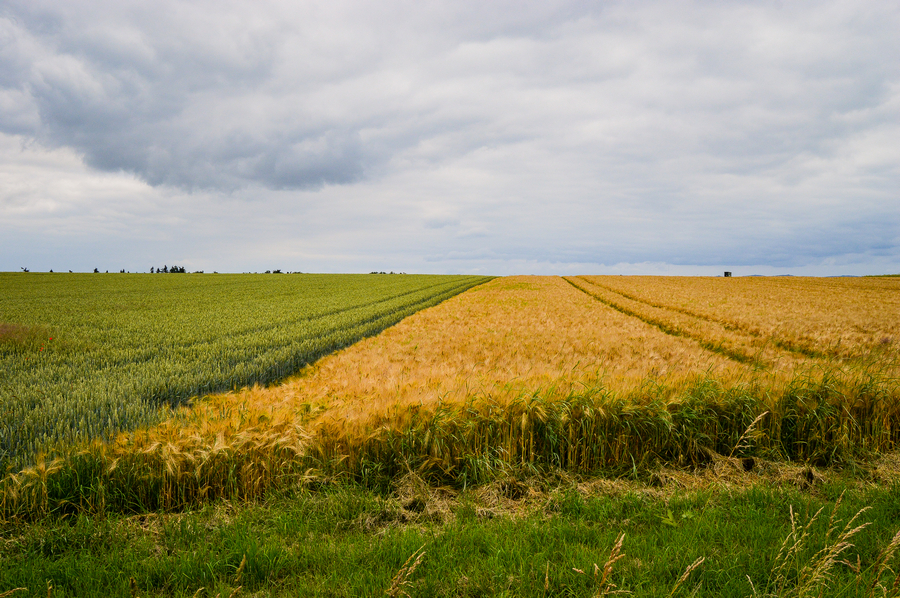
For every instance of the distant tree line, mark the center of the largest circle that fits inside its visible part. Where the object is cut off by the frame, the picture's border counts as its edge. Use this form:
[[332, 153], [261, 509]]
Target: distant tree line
[[168, 270]]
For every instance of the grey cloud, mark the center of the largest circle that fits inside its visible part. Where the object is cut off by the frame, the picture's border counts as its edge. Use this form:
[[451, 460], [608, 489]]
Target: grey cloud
[[175, 108], [178, 92], [555, 132], [193, 96]]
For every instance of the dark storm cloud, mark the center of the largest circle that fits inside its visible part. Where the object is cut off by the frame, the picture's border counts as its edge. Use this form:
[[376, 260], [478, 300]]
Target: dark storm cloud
[[176, 94], [205, 95]]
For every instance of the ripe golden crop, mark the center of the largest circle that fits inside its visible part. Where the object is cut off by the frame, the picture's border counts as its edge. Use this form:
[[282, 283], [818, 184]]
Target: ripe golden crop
[[511, 337], [834, 317]]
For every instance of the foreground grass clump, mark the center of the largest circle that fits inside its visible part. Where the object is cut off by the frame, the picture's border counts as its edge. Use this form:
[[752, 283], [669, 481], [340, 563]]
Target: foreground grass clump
[[516, 537], [828, 418], [85, 356]]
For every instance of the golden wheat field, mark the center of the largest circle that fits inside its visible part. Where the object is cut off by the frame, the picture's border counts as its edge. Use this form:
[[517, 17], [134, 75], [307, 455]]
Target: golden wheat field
[[579, 373], [511, 337], [551, 336], [525, 334]]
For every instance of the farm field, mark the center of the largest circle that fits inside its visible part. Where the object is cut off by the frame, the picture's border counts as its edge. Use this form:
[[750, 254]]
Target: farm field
[[553, 339], [87, 355], [528, 421], [536, 372]]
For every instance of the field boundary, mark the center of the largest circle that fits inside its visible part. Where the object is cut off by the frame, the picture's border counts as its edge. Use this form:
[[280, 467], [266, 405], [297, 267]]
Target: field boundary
[[66, 394]]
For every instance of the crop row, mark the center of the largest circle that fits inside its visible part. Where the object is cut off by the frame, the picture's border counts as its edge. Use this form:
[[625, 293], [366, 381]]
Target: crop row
[[114, 351]]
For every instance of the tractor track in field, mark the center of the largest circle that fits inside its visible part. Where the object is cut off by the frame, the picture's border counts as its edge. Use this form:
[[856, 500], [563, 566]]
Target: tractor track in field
[[733, 342], [736, 327]]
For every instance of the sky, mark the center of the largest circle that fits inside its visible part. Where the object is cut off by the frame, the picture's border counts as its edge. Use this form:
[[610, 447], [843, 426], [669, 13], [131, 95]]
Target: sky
[[503, 137]]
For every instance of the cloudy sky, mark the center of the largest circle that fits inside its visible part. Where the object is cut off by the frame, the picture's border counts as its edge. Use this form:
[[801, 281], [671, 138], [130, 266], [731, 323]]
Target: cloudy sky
[[451, 136]]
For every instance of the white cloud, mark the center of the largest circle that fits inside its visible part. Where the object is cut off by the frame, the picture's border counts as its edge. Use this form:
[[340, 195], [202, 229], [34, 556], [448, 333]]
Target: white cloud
[[452, 135]]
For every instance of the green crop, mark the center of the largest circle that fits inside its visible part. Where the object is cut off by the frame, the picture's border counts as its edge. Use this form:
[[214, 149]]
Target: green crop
[[84, 356]]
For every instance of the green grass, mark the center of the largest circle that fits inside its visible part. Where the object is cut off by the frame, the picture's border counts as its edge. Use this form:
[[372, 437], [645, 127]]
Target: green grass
[[345, 540], [86, 355]]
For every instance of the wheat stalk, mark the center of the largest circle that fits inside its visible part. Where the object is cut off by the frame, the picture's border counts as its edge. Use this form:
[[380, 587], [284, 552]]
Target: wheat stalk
[[686, 574], [400, 581], [740, 446], [240, 570]]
